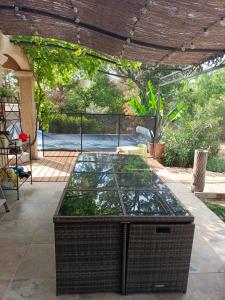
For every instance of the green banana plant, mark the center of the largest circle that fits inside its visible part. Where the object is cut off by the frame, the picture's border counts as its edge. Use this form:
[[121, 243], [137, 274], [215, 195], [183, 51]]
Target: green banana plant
[[152, 104]]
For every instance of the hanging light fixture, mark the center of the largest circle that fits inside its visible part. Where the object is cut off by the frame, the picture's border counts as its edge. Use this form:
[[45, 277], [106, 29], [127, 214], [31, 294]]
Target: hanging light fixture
[[16, 8], [144, 10], [192, 46], [222, 21], [206, 33], [24, 18]]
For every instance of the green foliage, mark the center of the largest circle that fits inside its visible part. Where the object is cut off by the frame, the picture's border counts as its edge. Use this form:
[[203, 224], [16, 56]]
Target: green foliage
[[63, 123], [46, 114], [75, 205], [66, 123], [140, 109], [181, 141], [103, 93], [6, 92], [151, 103], [218, 209], [201, 124], [177, 112], [147, 104], [206, 89], [55, 62], [216, 164]]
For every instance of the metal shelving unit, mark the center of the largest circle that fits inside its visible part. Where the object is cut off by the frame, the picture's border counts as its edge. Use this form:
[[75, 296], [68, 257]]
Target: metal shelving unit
[[15, 155], [3, 200], [12, 156]]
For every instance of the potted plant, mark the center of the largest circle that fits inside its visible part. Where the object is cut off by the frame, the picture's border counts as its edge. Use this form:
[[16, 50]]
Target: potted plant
[[6, 94], [152, 104]]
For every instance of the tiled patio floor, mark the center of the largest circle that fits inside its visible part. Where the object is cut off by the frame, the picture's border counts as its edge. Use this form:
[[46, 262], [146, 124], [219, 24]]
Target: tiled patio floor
[[27, 268]]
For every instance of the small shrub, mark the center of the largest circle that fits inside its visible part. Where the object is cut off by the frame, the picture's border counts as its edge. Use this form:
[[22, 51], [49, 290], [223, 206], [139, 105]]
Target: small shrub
[[216, 164], [181, 142], [64, 123], [6, 92]]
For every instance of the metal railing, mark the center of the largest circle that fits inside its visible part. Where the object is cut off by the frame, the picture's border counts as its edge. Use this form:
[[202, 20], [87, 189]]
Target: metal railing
[[93, 132]]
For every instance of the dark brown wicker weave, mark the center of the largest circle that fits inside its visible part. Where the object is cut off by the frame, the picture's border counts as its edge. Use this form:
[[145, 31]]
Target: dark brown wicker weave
[[88, 257], [126, 254], [158, 257]]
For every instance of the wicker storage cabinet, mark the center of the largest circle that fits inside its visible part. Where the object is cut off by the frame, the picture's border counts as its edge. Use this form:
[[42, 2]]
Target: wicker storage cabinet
[[88, 257], [158, 257]]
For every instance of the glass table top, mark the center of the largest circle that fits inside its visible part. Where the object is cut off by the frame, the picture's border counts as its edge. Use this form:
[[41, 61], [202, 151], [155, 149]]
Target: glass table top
[[90, 167], [117, 185], [87, 181], [144, 203], [91, 203]]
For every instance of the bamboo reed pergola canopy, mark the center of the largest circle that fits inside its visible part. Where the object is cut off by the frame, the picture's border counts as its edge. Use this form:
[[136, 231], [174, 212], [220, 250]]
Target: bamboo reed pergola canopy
[[160, 31]]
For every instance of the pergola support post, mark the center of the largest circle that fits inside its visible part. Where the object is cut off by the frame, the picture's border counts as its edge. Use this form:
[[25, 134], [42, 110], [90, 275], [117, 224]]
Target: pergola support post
[[28, 109], [199, 169]]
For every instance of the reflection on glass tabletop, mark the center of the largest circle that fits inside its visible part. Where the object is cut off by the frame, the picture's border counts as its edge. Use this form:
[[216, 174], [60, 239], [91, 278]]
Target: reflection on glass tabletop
[[89, 167], [143, 203], [87, 181], [116, 185], [139, 180], [90, 203], [95, 157]]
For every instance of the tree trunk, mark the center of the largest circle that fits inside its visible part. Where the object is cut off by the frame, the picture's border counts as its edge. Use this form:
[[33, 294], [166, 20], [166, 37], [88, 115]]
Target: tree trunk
[[199, 169]]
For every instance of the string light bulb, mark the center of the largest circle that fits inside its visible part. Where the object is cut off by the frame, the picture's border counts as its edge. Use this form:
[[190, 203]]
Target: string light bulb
[[128, 40], [192, 46], [222, 21], [206, 33], [144, 10], [183, 49]]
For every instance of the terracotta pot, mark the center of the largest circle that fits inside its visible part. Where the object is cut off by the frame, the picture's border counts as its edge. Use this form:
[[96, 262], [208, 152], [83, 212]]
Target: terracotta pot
[[156, 149]]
